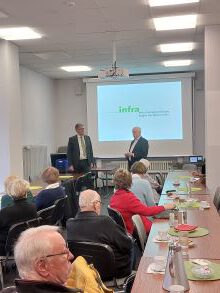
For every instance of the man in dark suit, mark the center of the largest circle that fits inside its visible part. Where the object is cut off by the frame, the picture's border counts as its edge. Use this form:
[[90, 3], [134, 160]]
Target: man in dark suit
[[89, 225], [138, 148], [79, 151]]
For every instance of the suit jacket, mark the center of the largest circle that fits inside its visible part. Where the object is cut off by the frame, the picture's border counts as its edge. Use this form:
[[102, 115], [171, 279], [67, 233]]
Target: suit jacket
[[140, 151], [88, 226], [73, 152]]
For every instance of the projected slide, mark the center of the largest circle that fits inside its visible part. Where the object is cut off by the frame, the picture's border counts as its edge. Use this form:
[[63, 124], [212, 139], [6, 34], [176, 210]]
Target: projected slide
[[155, 107]]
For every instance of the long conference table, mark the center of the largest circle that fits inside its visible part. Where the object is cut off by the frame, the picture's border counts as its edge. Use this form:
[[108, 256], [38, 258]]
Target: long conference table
[[206, 247]]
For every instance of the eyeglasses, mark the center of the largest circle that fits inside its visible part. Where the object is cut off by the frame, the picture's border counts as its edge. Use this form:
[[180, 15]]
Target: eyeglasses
[[55, 254], [67, 252]]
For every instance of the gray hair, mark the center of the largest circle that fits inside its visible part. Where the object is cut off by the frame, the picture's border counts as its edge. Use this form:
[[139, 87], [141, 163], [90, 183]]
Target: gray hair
[[8, 183], [87, 198], [19, 188], [137, 127], [32, 244]]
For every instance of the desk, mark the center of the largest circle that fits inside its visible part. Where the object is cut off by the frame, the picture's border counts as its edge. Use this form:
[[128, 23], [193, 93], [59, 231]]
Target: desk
[[207, 247]]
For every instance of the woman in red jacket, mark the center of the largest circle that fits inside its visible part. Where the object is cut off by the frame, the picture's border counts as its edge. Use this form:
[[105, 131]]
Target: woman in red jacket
[[128, 204]]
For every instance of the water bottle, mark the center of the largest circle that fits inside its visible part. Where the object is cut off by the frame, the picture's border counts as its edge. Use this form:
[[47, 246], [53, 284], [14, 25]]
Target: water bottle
[[175, 272]]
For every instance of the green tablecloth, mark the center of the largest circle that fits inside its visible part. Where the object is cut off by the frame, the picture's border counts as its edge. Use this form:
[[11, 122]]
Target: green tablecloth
[[188, 205], [199, 232], [215, 276], [193, 189]]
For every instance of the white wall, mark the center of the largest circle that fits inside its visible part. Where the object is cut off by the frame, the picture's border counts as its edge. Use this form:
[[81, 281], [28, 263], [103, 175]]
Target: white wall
[[199, 115], [10, 112], [70, 101], [38, 117], [71, 108], [212, 104]]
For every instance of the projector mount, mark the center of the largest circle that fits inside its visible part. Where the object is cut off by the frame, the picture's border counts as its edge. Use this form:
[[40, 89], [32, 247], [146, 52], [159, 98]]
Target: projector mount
[[114, 72]]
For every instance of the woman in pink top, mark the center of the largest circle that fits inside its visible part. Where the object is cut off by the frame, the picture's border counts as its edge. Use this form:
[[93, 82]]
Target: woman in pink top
[[128, 204]]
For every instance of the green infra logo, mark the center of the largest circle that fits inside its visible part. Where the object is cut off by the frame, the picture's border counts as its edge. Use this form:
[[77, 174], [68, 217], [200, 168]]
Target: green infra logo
[[128, 109]]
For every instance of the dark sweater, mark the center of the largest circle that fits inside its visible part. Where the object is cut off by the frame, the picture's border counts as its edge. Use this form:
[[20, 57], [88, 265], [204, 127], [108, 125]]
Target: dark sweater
[[88, 226], [7, 200], [19, 212], [47, 197]]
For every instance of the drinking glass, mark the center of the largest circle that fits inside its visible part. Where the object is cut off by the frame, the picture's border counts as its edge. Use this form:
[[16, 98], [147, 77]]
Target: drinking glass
[[176, 289], [184, 242]]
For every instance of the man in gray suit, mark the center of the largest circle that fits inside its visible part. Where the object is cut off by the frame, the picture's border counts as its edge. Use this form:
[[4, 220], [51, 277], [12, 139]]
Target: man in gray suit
[[138, 148], [79, 151]]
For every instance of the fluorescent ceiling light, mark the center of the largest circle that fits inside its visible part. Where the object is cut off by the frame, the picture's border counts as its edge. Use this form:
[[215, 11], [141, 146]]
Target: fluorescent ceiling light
[[153, 3], [176, 47], [175, 22], [78, 68], [18, 33], [177, 63]]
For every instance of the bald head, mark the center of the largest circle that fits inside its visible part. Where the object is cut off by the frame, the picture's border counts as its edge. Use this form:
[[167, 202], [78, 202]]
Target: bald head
[[136, 132], [89, 200]]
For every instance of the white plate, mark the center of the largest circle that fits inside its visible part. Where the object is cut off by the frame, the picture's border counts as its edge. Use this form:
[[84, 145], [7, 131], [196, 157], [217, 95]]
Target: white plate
[[156, 268], [162, 240]]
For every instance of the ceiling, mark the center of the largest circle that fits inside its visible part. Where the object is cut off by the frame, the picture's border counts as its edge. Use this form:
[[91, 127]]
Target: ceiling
[[81, 32]]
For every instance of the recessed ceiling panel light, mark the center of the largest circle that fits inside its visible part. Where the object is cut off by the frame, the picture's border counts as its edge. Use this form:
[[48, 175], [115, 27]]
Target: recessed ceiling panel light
[[175, 22], [171, 63], [154, 3], [78, 68], [176, 47], [18, 33]]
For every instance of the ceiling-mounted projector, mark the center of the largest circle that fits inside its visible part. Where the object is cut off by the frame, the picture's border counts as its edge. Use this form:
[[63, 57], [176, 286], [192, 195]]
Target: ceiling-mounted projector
[[114, 72]]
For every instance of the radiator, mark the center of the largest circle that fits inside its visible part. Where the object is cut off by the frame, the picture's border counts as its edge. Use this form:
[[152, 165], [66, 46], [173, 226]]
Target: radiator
[[123, 165], [34, 161], [160, 166]]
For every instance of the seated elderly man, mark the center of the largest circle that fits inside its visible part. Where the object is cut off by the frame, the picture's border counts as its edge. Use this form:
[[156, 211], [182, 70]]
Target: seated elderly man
[[89, 225], [43, 261]]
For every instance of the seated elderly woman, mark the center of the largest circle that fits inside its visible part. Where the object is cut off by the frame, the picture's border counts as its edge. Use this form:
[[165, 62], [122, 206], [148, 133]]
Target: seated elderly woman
[[6, 199], [52, 192], [154, 184], [20, 211], [140, 186], [124, 201]]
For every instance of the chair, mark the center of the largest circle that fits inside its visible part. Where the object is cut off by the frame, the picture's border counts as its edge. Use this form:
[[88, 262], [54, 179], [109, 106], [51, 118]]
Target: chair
[[46, 215], [13, 234], [58, 211], [129, 283], [160, 179], [139, 232], [100, 255], [117, 217], [83, 182], [62, 149], [216, 199], [72, 204]]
